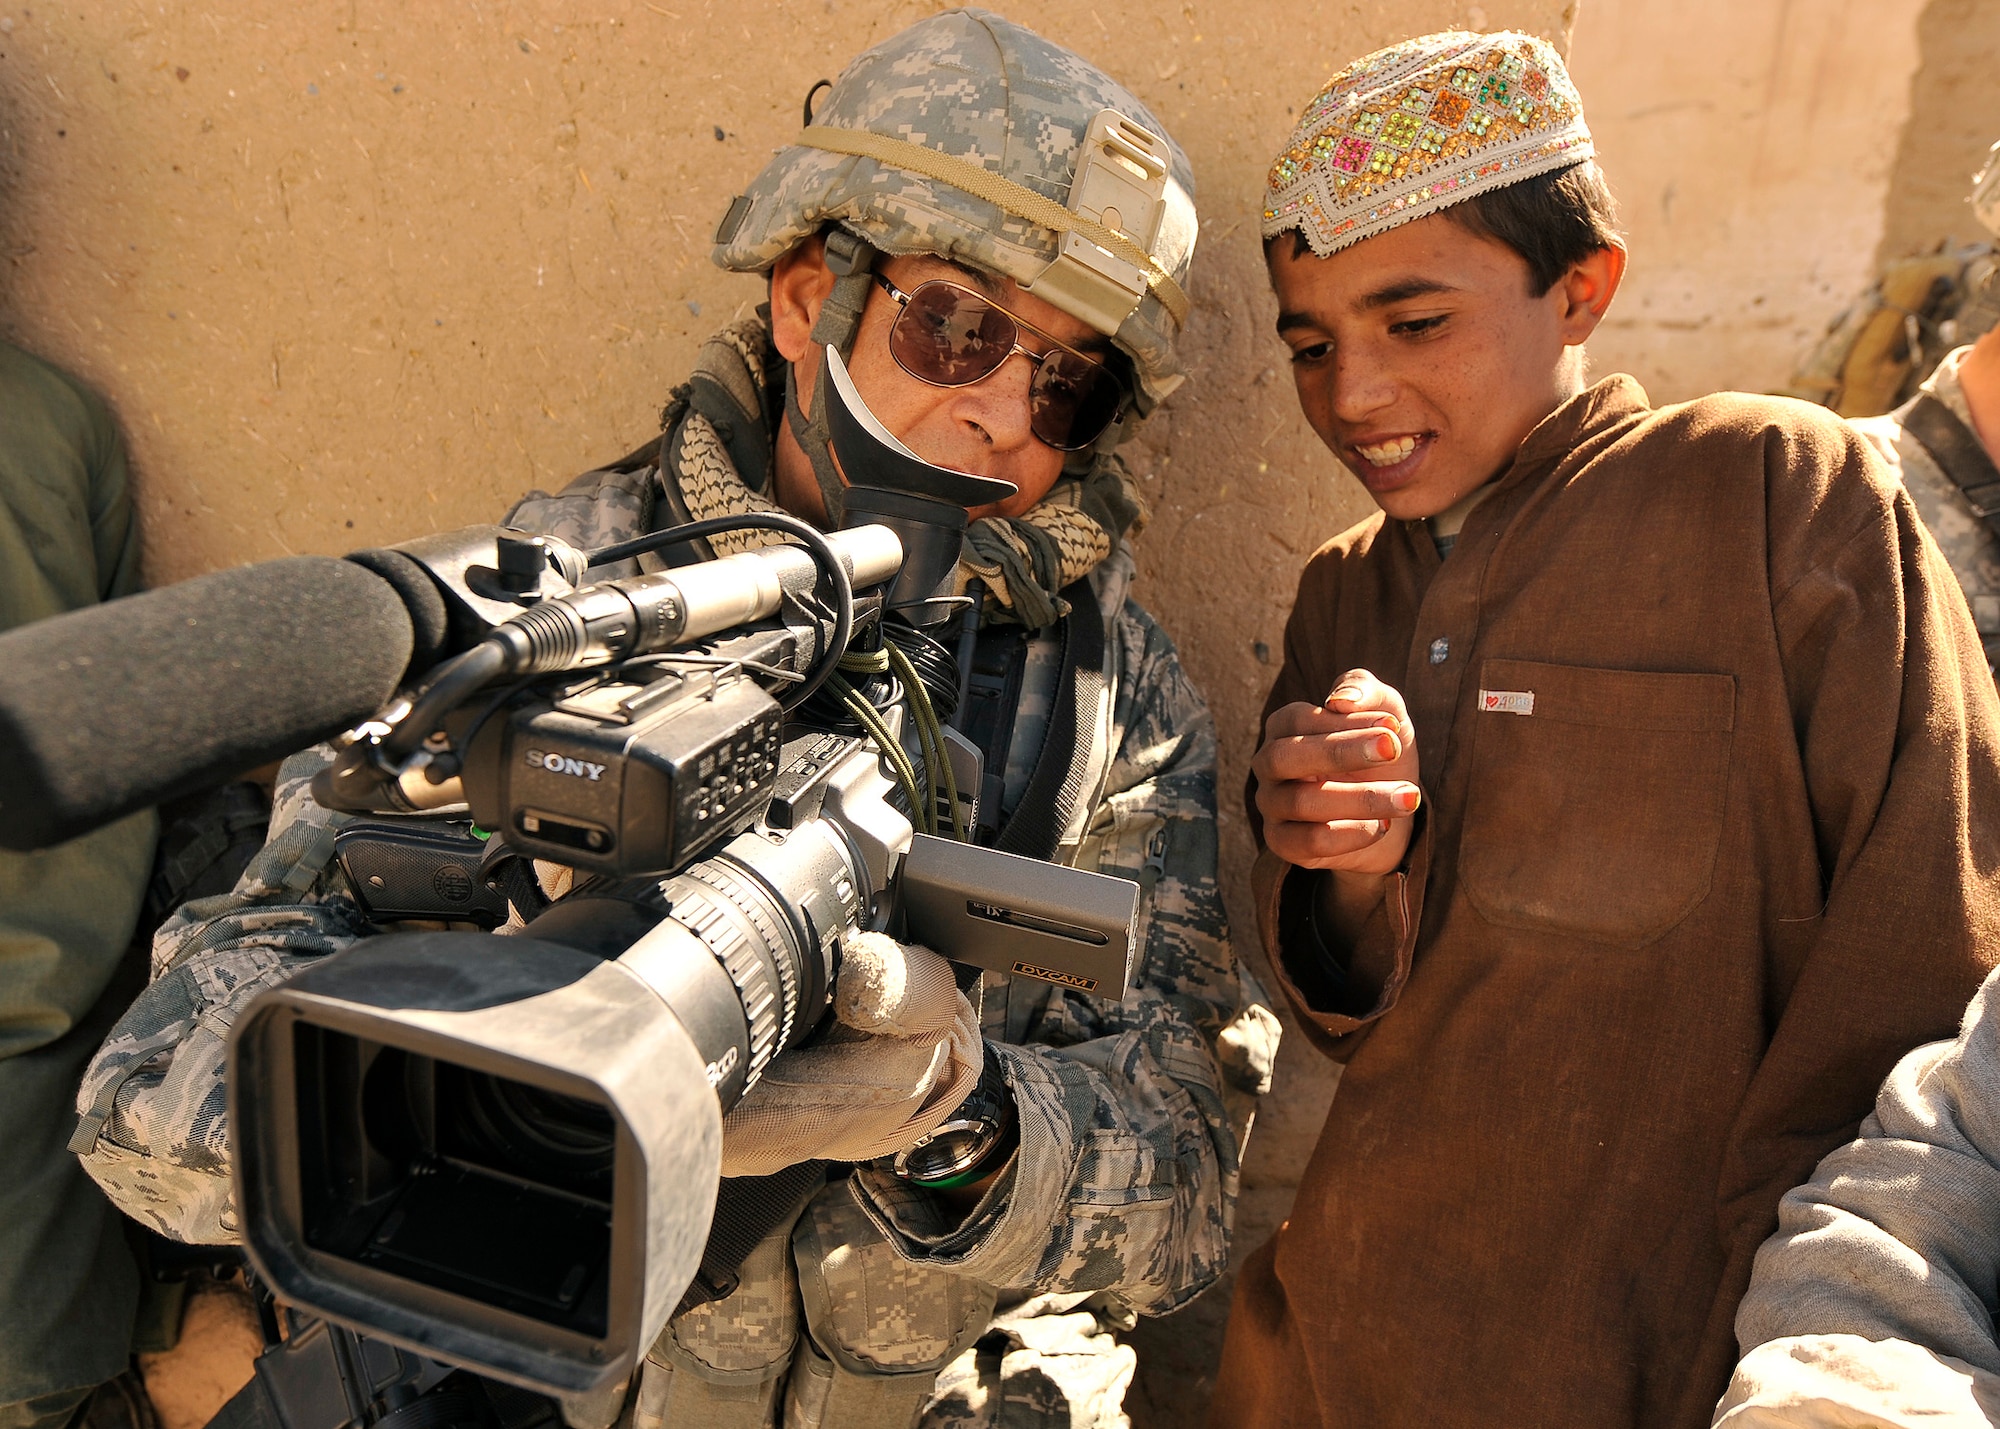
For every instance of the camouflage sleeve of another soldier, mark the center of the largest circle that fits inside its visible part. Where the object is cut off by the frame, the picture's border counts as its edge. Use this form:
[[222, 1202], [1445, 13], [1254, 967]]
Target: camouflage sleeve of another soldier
[[1132, 1115], [154, 1125]]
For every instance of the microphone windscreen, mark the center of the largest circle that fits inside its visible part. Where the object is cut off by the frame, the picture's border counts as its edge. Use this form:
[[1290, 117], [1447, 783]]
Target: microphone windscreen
[[430, 619], [109, 709]]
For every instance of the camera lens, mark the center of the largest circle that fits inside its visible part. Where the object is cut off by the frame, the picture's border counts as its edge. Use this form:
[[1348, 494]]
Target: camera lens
[[531, 1132]]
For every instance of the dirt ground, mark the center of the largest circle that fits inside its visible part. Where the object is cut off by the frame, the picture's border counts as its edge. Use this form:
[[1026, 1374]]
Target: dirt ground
[[219, 1340]]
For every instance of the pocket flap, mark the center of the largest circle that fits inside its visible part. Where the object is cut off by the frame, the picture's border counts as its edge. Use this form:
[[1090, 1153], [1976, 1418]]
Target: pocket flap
[[1635, 699], [1596, 801]]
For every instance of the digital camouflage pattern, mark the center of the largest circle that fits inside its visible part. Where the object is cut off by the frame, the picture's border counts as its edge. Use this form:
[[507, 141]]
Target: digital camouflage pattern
[[1050, 1362], [722, 1365], [1133, 1115], [1967, 542], [871, 1309], [153, 1126], [980, 88]]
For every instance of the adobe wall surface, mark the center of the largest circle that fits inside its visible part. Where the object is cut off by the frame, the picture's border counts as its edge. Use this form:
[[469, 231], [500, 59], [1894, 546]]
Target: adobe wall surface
[[1954, 110], [1750, 144], [354, 270]]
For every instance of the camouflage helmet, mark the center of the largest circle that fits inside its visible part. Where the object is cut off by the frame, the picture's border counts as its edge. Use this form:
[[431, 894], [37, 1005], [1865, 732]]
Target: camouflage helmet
[[960, 137]]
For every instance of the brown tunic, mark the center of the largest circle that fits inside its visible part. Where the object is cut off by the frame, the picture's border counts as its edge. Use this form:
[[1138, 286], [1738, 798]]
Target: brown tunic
[[1662, 931]]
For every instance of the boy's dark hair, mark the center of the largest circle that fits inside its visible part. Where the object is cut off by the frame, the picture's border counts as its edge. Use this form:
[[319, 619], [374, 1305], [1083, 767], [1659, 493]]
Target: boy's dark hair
[[1552, 220]]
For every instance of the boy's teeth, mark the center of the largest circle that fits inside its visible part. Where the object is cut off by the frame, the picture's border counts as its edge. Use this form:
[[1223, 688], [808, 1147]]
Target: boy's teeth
[[1388, 453]]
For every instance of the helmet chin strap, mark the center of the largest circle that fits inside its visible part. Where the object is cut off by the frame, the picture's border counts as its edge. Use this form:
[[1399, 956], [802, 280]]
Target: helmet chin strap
[[851, 260], [814, 438]]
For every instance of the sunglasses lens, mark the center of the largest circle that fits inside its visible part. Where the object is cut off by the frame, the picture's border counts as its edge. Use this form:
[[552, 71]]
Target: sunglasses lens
[[950, 337], [1073, 400]]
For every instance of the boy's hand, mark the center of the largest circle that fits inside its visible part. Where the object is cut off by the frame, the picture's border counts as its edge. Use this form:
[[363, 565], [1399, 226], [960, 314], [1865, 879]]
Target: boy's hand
[[1336, 783]]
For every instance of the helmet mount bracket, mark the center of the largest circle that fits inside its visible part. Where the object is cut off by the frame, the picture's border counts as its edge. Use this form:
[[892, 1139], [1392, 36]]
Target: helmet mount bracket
[[1121, 183]]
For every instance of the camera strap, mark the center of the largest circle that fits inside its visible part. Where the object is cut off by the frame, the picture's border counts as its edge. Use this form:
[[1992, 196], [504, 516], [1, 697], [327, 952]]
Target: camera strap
[[747, 1208], [1957, 450], [1062, 768]]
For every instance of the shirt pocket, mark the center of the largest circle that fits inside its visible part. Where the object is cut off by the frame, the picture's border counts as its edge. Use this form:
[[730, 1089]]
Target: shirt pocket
[[1596, 799]]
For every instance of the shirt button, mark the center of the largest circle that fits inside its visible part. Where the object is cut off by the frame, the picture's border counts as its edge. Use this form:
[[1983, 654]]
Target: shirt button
[[1440, 650]]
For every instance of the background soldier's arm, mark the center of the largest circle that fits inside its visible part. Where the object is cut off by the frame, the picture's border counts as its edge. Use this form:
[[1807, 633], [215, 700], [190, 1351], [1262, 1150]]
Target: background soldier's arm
[[153, 1126]]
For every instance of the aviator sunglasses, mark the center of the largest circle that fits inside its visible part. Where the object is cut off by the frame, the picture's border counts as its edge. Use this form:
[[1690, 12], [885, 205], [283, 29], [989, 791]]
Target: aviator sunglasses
[[950, 336]]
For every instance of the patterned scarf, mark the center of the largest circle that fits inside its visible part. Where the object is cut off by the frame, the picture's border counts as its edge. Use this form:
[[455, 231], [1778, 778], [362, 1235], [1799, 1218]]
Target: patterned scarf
[[1024, 561]]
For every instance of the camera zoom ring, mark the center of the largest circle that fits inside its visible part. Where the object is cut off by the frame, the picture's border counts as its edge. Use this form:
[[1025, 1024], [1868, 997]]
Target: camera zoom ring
[[776, 937], [703, 915]]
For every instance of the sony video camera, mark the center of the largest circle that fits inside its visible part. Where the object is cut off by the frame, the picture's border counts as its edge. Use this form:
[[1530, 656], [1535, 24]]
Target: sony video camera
[[502, 1152]]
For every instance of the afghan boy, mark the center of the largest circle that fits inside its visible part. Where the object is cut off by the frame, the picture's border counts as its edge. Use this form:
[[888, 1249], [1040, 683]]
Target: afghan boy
[[1628, 793]]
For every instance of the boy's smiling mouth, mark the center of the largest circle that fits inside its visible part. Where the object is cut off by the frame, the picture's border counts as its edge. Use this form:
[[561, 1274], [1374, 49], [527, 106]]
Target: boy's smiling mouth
[[1383, 463], [1390, 450]]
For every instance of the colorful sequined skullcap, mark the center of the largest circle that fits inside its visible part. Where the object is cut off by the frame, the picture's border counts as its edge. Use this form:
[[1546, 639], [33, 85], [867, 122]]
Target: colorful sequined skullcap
[[1419, 126], [1986, 192]]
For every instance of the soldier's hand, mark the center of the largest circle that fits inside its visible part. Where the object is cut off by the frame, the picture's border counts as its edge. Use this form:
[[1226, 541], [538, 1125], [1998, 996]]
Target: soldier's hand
[[902, 1051], [1336, 782]]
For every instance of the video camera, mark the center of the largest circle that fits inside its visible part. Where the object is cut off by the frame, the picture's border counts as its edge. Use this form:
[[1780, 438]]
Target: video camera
[[502, 1152]]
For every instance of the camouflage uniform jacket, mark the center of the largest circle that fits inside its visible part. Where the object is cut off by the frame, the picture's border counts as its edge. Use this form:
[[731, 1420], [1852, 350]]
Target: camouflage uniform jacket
[[1967, 542], [1132, 1115]]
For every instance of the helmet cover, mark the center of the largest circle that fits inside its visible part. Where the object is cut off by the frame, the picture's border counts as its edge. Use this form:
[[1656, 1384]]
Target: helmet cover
[[980, 89]]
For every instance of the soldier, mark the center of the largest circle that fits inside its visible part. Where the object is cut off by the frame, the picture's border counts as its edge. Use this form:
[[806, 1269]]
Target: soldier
[[1943, 439], [924, 197], [68, 1287]]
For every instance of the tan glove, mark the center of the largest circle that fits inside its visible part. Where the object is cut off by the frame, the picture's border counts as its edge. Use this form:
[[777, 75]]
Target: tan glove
[[903, 1053]]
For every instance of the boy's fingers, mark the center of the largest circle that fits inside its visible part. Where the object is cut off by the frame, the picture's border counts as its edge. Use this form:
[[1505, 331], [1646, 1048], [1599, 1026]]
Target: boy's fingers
[[1292, 721], [1310, 845], [1325, 756], [1359, 692], [1299, 801]]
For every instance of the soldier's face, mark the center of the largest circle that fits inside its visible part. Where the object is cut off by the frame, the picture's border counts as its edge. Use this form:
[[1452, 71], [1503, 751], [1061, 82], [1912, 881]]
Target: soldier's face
[[982, 428], [1422, 358]]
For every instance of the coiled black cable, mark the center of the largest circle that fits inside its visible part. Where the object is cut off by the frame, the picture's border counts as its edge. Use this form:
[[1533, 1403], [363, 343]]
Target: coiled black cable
[[935, 665], [816, 546], [457, 679]]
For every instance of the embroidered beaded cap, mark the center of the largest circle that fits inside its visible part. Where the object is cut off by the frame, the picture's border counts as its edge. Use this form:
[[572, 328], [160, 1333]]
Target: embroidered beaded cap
[[1421, 125]]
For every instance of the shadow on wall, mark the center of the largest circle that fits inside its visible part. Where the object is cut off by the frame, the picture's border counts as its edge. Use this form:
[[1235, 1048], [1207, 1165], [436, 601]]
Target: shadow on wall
[[1750, 144], [1954, 120]]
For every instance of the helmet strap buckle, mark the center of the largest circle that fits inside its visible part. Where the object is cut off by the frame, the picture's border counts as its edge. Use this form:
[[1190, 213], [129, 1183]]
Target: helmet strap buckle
[[851, 260]]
